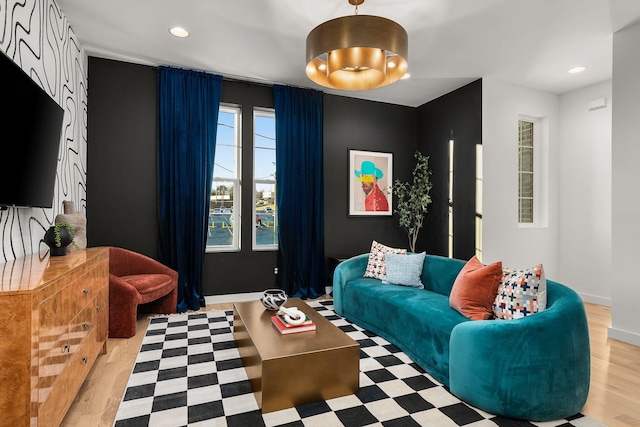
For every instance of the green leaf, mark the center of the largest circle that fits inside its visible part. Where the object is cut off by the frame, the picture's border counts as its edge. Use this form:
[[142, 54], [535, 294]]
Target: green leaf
[[412, 200]]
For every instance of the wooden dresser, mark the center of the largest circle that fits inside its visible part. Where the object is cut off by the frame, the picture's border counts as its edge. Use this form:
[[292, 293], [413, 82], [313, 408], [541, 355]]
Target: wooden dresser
[[54, 314]]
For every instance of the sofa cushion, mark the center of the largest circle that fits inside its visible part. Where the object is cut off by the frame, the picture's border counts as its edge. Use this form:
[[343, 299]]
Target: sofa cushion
[[147, 283], [376, 268], [521, 293], [474, 290], [419, 322], [404, 270], [440, 272]]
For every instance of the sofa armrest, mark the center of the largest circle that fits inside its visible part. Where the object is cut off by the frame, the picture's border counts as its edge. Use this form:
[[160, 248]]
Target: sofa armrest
[[347, 270], [535, 368]]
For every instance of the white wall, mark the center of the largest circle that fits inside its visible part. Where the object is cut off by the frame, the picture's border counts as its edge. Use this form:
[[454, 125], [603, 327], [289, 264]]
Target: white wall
[[625, 290], [584, 178], [503, 239], [591, 242], [38, 37]]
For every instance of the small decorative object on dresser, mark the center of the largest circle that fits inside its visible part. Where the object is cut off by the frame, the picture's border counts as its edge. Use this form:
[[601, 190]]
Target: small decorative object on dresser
[[272, 299], [58, 237], [78, 221]]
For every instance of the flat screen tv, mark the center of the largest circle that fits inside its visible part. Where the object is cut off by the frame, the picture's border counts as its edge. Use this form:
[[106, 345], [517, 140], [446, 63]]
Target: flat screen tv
[[31, 123]]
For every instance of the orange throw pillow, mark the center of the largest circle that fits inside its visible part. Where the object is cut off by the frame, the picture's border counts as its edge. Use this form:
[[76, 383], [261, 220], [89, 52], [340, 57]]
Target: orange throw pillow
[[475, 289]]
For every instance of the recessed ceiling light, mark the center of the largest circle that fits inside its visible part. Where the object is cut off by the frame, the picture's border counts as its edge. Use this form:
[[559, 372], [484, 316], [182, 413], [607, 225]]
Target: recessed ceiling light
[[179, 32], [579, 69]]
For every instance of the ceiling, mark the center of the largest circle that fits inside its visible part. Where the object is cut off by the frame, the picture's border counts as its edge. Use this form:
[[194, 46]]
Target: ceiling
[[532, 43]]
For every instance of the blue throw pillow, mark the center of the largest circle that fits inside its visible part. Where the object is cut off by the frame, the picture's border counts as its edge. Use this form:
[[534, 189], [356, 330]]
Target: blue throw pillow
[[404, 270]]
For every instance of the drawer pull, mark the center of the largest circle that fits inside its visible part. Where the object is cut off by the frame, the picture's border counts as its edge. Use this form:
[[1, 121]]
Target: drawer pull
[[86, 326], [66, 348], [85, 292], [98, 308], [85, 359]]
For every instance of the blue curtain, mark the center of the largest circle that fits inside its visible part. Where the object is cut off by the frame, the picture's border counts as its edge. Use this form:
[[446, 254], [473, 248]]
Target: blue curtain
[[188, 119], [300, 191]]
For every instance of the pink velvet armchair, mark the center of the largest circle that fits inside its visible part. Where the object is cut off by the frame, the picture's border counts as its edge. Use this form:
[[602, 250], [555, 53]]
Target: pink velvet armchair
[[137, 280]]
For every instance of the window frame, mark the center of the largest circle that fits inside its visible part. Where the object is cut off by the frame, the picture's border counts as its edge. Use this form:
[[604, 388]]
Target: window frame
[[540, 172], [269, 113], [236, 217]]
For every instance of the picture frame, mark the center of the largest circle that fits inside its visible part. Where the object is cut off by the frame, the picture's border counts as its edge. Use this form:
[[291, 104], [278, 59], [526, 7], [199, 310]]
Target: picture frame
[[370, 178]]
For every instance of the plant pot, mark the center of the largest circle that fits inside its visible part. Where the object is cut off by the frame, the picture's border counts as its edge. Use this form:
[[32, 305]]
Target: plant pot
[[65, 239]]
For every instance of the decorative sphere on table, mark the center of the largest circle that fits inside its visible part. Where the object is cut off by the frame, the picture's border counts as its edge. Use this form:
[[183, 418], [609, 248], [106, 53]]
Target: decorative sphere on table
[[272, 299]]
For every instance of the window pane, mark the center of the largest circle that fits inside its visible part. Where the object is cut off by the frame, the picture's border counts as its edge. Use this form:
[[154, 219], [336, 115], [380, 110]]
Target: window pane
[[266, 219], [525, 161], [525, 185], [221, 215], [225, 186], [525, 209], [265, 235], [265, 146]]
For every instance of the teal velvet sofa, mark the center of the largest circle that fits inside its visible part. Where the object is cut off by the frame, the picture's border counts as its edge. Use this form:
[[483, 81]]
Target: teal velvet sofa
[[534, 368]]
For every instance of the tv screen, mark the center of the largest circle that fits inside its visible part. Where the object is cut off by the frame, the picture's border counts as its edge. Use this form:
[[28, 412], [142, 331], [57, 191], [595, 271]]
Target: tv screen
[[31, 123]]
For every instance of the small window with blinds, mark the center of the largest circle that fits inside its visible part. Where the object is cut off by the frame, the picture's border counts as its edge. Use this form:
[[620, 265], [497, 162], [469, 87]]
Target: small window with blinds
[[525, 172]]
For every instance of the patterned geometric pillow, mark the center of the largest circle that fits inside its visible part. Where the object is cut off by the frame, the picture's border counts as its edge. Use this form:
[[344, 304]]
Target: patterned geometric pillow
[[376, 267], [521, 293]]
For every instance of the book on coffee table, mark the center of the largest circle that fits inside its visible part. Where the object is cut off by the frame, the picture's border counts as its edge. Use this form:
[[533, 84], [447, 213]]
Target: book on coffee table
[[285, 328], [307, 321]]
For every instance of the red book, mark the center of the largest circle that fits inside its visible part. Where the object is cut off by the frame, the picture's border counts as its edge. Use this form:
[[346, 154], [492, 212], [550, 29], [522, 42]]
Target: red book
[[280, 326]]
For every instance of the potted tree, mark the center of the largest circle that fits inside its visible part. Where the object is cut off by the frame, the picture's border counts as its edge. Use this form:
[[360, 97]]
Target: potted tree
[[413, 199]]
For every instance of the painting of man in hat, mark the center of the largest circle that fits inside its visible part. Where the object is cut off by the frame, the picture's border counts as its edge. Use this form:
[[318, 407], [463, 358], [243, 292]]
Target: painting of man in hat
[[371, 175]]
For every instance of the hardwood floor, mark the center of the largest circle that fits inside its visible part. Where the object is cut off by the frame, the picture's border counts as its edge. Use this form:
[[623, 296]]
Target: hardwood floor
[[613, 398]]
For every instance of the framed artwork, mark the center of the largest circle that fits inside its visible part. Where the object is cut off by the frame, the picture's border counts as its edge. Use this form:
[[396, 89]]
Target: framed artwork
[[370, 177]]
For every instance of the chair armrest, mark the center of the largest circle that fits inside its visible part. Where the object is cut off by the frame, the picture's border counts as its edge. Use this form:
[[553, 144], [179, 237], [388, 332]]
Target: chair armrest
[[121, 288], [347, 270]]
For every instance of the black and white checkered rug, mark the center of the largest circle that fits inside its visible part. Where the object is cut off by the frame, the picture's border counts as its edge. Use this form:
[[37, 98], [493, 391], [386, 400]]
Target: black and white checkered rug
[[189, 373]]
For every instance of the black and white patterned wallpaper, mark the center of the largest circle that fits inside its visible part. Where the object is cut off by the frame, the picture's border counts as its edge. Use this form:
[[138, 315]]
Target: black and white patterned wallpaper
[[39, 38]]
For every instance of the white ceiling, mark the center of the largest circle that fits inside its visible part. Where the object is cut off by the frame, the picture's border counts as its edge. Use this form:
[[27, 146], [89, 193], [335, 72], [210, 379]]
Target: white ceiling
[[451, 42]]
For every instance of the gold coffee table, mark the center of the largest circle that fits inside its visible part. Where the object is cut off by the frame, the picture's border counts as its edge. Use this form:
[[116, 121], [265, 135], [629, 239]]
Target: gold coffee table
[[294, 369]]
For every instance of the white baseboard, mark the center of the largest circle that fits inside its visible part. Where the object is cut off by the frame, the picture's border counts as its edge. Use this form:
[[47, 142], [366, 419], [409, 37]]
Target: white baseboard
[[218, 299], [626, 336], [594, 299], [249, 296]]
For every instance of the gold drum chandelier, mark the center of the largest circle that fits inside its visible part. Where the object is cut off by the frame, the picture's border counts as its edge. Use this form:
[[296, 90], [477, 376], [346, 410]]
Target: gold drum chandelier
[[357, 52]]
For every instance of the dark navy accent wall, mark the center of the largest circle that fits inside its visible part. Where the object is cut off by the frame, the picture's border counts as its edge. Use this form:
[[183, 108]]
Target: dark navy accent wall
[[122, 193], [458, 116]]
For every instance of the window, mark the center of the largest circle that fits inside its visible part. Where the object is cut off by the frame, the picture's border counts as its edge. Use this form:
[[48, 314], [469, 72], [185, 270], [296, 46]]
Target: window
[[265, 232], [479, 201], [223, 233], [450, 215], [525, 171], [533, 171]]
